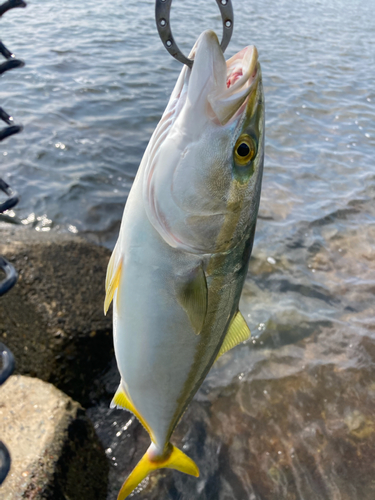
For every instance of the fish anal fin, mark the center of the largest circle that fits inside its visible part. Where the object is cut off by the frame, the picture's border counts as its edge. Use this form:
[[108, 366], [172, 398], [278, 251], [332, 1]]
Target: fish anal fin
[[238, 332], [122, 400], [193, 296], [112, 281], [172, 459]]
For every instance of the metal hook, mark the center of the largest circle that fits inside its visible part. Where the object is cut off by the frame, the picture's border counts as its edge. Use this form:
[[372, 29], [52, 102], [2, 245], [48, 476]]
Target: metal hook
[[162, 14]]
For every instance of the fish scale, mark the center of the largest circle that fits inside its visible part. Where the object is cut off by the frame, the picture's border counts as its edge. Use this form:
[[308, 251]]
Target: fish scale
[[179, 265]]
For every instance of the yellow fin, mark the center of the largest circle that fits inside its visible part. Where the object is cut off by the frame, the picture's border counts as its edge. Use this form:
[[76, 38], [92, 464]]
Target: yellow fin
[[172, 459], [110, 266], [238, 332], [112, 280], [193, 298], [120, 399]]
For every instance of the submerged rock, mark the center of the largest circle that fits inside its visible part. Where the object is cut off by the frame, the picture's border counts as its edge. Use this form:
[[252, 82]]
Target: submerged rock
[[55, 452], [288, 415], [309, 434], [53, 318]]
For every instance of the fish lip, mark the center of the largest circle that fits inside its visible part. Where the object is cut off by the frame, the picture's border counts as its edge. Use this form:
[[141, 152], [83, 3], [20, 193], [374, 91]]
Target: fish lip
[[223, 100], [242, 77], [246, 60]]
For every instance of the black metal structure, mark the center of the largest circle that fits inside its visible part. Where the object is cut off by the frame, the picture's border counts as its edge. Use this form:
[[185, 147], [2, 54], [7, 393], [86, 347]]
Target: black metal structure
[[10, 274]]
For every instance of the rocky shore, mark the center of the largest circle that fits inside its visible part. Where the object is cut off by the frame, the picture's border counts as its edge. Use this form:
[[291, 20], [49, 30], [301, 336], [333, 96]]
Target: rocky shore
[[55, 451], [53, 322], [289, 415], [53, 318]]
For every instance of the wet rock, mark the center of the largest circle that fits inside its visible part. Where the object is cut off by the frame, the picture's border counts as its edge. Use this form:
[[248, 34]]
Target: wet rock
[[283, 422], [289, 414], [55, 452], [53, 318], [349, 266], [306, 435], [285, 328]]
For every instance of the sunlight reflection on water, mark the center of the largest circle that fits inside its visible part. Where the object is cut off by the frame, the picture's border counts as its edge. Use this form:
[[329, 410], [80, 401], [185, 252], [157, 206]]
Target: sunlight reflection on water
[[96, 82]]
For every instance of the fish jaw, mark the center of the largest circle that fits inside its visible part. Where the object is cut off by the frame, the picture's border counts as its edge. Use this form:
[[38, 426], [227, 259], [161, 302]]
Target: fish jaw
[[188, 174], [241, 80], [216, 88], [207, 76]]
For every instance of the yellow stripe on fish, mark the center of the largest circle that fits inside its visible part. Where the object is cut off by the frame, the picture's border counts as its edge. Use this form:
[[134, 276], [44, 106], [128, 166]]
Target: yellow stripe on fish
[[186, 236]]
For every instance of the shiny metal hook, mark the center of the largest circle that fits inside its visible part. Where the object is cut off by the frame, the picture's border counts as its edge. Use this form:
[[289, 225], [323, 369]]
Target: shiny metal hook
[[162, 17]]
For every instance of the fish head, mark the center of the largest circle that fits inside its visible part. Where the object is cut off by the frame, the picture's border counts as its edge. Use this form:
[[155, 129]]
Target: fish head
[[203, 166]]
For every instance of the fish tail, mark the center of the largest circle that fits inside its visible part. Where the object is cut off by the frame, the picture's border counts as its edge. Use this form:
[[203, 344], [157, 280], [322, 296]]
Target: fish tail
[[172, 458]]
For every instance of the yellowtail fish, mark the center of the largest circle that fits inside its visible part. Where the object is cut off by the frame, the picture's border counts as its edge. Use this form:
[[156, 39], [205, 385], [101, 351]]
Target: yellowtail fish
[[179, 265]]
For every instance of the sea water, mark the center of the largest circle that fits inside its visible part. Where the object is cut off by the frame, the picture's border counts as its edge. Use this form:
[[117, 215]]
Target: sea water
[[289, 414]]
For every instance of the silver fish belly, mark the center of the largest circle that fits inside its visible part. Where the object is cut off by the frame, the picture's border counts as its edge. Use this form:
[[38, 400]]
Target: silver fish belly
[[178, 268]]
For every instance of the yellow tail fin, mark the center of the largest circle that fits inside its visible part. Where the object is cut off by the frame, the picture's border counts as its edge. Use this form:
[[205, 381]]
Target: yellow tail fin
[[173, 458]]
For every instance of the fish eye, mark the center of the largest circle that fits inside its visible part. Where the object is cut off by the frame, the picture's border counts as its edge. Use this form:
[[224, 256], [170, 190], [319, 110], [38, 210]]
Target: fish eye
[[245, 149]]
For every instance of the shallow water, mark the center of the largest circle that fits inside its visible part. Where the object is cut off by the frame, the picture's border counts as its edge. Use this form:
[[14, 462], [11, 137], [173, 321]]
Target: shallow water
[[301, 392]]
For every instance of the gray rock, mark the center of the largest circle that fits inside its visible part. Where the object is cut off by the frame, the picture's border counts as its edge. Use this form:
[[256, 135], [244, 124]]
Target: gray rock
[[288, 415], [53, 318], [54, 449], [309, 434]]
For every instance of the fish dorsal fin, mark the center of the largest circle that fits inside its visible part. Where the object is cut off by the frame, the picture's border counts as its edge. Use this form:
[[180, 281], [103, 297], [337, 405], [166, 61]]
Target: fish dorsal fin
[[193, 298], [238, 332], [122, 400], [112, 279]]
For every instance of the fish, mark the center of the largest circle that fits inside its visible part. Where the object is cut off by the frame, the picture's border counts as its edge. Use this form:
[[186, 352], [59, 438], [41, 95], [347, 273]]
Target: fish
[[178, 268]]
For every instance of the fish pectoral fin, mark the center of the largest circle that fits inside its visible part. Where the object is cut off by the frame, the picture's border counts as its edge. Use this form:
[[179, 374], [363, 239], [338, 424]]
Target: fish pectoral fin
[[172, 459], [122, 400], [112, 279], [193, 297], [238, 332]]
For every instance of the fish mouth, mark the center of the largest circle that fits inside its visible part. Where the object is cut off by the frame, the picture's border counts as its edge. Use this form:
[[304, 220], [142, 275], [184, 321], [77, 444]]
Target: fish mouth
[[242, 68], [241, 80], [225, 85]]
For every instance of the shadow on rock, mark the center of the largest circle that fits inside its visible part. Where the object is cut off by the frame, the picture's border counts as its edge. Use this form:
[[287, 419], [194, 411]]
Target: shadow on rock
[[53, 318]]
